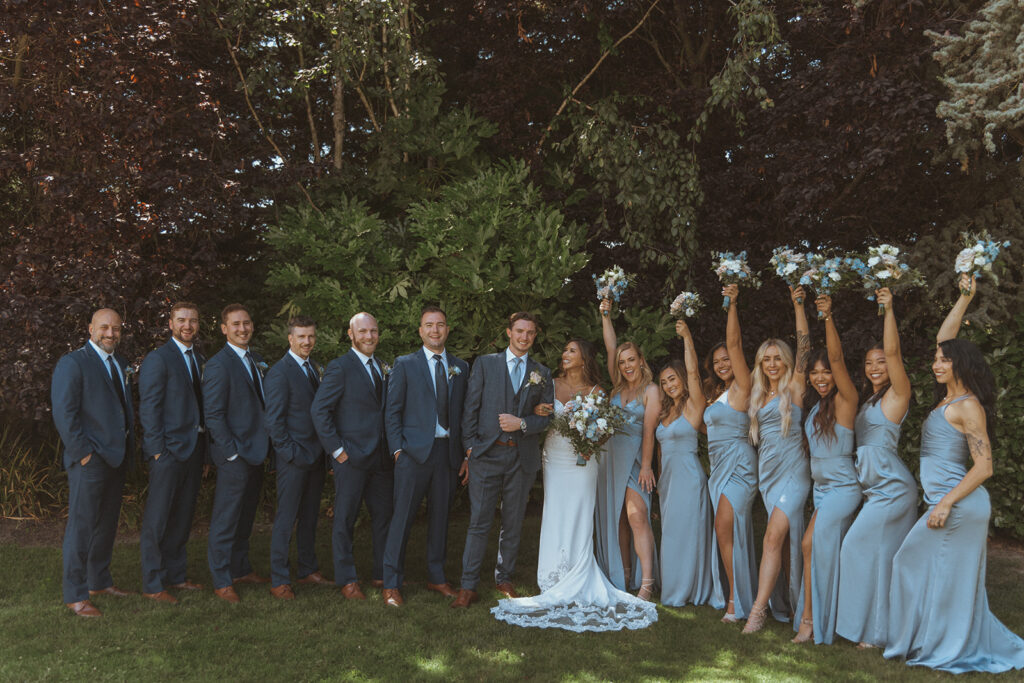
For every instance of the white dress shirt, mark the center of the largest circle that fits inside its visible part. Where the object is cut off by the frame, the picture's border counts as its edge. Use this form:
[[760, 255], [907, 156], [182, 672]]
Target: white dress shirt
[[103, 357], [510, 361]]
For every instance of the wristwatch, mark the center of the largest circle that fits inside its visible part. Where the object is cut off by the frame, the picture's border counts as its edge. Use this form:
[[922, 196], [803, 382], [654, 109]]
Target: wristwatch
[[522, 425]]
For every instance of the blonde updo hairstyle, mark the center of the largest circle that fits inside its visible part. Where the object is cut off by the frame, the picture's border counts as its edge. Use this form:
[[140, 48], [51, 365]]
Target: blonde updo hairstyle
[[760, 386]]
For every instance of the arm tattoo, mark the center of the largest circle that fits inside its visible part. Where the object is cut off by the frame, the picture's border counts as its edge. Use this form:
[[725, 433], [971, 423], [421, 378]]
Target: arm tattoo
[[977, 441], [803, 351]]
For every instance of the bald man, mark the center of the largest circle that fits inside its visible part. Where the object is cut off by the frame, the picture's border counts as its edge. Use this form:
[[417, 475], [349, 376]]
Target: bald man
[[92, 410], [348, 414]]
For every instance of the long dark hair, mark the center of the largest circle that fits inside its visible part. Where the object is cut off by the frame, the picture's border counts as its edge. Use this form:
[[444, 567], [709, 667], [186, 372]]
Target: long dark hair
[[970, 369], [666, 401], [713, 384], [825, 420], [591, 370], [867, 394]]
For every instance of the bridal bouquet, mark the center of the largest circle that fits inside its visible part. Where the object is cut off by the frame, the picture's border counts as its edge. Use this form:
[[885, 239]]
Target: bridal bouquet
[[611, 284], [732, 269], [978, 256], [686, 305], [828, 274], [792, 266], [884, 269], [589, 421]]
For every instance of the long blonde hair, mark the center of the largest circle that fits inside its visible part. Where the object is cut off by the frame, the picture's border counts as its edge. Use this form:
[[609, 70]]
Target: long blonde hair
[[646, 376], [760, 386]]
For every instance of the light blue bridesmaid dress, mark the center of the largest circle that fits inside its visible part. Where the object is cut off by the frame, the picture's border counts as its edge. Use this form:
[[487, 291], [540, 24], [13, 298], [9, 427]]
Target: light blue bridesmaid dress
[[784, 478], [836, 499], [938, 605], [619, 469], [734, 476], [889, 511], [686, 523]]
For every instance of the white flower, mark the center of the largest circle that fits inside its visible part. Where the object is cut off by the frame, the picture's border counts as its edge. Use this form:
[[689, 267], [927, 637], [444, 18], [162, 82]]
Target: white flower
[[979, 247], [836, 277], [602, 423], [979, 260], [883, 275], [873, 261], [964, 260], [790, 267]]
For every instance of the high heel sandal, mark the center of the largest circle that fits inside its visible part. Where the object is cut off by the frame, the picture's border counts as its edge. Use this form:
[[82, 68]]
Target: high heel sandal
[[646, 586], [730, 617], [756, 620], [803, 639]]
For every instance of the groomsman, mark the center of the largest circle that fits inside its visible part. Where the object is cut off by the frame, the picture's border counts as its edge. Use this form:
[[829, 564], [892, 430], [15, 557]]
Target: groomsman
[[502, 439], [290, 386], [92, 410], [348, 413], [422, 417], [174, 443], [234, 401]]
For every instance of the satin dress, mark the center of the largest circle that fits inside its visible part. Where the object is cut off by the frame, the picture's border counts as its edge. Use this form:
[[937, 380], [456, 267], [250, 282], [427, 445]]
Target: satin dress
[[734, 477], [784, 478], [888, 513], [837, 496], [686, 519], [938, 605]]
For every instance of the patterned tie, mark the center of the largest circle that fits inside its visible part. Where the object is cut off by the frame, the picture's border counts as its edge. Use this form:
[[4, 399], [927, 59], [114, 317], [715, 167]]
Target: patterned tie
[[517, 374], [441, 392], [115, 377], [197, 386], [255, 378], [378, 383], [311, 376]]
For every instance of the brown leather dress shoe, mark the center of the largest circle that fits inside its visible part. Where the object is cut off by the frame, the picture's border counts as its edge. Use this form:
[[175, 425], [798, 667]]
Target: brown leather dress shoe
[[251, 577], [315, 578], [112, 590], [444, 589], [227, 594], [186, 586], [352, 591], [162, 596], [392, 598], [508, 590], [465, 598], [84, 608], [282, 592]]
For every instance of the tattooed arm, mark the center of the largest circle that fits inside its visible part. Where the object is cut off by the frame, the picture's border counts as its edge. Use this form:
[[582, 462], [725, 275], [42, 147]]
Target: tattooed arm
[[803, 346], [967, 417]]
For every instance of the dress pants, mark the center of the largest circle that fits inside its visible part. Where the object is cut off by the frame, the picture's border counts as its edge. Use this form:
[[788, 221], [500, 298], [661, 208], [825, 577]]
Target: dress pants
[[167, 519], [298, 507], [413, 481], [234, 510], [352, 486], [94, 506]]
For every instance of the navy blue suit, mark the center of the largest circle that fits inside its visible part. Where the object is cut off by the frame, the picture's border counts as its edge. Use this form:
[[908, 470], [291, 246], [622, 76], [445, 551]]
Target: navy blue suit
[[348, 415], [235, 426], [427, 466], [172, 428], [300, 467], [89, 417]]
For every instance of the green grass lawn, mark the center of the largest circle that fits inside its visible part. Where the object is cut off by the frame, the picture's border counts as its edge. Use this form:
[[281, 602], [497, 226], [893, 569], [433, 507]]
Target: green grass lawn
[[320, 636]]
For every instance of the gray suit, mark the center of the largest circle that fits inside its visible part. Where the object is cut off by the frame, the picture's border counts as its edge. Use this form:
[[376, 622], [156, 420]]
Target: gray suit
[[497, 470]]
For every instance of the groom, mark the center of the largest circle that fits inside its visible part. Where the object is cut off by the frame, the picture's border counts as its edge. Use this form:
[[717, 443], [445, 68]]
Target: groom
[[501, 435]]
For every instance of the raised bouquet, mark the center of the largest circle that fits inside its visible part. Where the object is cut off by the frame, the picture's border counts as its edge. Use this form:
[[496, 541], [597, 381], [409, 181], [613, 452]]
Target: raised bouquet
[[611, 284], [978, 256], [588, 421], [883, 268], [686, 305], [792, 266], [829, 274], [732, 269]]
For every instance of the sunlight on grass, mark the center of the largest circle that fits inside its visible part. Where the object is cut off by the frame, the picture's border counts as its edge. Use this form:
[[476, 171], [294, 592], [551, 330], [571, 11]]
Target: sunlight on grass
[[502, 657], [676, 613], [437, 665]]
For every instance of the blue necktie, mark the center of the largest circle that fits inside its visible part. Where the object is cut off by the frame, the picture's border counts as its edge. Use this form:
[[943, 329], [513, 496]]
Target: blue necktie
[[517, 374]]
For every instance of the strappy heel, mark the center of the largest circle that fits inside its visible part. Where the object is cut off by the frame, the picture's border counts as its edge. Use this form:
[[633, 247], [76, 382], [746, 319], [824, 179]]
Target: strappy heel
[[646, 587], [805, 638], [756, 620], [730, 617]]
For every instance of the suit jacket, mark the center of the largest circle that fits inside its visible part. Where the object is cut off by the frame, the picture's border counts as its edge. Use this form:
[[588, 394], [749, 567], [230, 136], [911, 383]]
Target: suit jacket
[[345, 411], [490, 393], [87, 411], [289, 396], [168, 409], [410, 412], [234, 415]]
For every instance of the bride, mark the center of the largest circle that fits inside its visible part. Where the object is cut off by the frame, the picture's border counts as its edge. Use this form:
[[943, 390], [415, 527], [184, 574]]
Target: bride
[[575, 594]]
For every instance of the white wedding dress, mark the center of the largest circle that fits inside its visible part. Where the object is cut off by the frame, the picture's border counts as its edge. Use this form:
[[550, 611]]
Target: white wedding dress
[[575, 593]]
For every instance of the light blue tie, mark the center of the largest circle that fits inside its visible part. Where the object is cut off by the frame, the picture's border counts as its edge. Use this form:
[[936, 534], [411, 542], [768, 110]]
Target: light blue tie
[[517, 374]]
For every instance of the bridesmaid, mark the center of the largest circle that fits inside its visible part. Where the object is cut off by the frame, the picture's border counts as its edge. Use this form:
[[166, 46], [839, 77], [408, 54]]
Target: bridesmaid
[[625, 476], [683, 486], [890, 505], [784, 476], [939, 615], [733, 480], [830, 406]]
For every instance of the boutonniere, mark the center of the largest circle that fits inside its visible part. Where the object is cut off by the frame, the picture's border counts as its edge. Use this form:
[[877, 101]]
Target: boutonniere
[[454, 370], [320, 372], [262, 367], [202, 369], [129, 370], [385, 369], [535, 378]]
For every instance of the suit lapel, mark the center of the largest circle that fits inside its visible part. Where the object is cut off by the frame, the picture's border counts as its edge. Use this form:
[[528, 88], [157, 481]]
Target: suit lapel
[[510, 394], [240, 365], [524, 388], [363, 374], [101, 367], [180, 362]]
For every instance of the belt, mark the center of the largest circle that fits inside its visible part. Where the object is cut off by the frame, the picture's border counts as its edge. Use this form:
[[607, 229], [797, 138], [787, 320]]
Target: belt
[[510, 443]]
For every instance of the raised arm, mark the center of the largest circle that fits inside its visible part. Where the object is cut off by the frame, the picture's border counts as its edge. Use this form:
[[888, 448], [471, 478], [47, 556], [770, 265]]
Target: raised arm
[[951, 325], [968, 417], [846, 400], [610, 340], [652, 407], [803, 344], [696, 400], [734, 345], [897, 400]]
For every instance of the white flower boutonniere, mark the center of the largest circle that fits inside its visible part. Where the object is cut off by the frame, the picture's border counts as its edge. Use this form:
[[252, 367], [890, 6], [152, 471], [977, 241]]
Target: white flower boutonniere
[[453, 371], [535, 378], [320, 372], [385, 369], [129, 370], [262, 367]]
